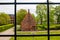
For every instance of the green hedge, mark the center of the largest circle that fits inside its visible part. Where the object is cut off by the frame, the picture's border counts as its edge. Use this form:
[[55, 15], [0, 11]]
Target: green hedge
[[40, 27], [18, 28], [43, 27], [54, 27], [51, 27], [5, 27]]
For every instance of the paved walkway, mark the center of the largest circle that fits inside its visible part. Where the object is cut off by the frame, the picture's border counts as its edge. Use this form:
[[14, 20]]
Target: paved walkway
[[7, 32], [5, 38]]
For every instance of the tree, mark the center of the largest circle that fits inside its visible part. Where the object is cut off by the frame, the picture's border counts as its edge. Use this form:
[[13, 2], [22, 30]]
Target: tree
[[20, 15], [57, 13], [51, 14], [4, 18], [41, 11], [37, 19], [33, 15]]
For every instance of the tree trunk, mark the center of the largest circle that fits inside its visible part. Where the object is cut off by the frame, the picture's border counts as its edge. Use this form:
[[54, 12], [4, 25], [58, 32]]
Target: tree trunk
[[58, 19], [41, 21]]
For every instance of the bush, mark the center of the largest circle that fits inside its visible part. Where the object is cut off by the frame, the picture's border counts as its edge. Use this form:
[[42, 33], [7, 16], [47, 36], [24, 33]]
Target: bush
[[51, 27], [55, 27], [18, 28], [40, 27], [58, 27], [5, 27]]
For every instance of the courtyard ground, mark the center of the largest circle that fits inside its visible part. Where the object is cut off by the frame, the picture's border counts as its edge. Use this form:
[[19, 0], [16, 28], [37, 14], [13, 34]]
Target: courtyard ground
[[7, 32], [5, 38]]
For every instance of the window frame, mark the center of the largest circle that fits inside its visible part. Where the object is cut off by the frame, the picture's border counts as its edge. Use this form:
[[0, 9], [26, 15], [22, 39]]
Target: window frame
[[15, 35]]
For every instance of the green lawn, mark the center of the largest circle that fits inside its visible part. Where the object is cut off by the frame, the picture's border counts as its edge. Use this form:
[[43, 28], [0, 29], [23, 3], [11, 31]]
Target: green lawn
[[31, 38], [55, 38], [54, 31], [38, 38], [12, 38], [54, 25], [31, 32], [37, 32]]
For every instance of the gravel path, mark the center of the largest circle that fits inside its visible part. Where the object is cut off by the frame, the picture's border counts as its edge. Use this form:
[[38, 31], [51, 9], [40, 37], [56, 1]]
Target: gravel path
[[7, 32]]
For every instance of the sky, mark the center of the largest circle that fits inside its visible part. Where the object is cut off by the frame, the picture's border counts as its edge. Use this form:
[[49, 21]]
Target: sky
[[31, 7], [31, 0], [37, 1], [8, 9], [54, 1], [28, 1], [6, 1]]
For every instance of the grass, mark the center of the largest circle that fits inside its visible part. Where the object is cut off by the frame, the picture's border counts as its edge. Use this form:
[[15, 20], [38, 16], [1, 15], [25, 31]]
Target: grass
[[37, 32], [54, 31], [12, 38], [31, 38], [30, 32], [54, 25], [54, 37], [38, 38]]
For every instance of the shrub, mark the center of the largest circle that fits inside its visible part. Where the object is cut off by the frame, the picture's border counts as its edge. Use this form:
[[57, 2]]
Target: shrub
[[55, 27], [18, 28], [5, 27], [58, 26], [51, 27], [40, 27]]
